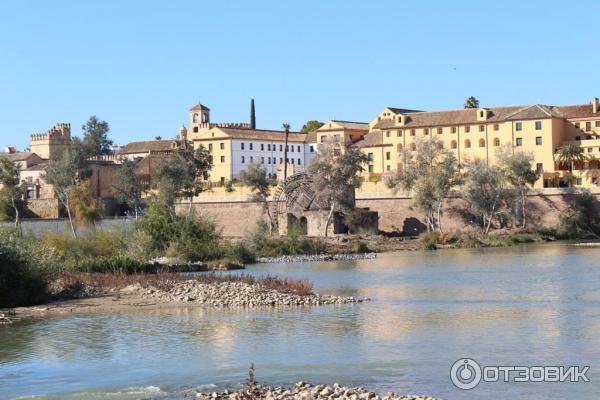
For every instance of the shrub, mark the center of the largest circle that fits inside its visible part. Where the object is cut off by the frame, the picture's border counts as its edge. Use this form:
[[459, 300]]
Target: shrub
[[22, 282], [358, 246], [115, 265], [239, 252], [196, 239]]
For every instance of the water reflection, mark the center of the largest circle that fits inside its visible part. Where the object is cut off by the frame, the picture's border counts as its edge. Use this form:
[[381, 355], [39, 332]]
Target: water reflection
[[523, 305]]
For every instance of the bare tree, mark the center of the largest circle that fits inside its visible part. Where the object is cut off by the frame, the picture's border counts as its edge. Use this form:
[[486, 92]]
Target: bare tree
[[335, 175], [11, 185], [62, 174]]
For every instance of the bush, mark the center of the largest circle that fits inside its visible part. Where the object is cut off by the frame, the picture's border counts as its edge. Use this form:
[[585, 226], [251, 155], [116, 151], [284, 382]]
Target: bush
[[22, 281], [239, 252], [195, 239], [358, 246], [113, 265]]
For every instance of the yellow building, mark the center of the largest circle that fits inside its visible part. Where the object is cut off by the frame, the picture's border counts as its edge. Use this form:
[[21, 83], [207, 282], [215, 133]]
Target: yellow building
[[479, 133]]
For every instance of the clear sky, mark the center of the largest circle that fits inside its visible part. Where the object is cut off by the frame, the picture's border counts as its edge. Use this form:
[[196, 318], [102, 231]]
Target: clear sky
[[140, 65]]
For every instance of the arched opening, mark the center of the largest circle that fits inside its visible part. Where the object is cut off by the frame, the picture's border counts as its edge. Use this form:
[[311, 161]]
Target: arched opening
[[481, 142], [467, 144], [453, 144], [496, 142], [195, 118]]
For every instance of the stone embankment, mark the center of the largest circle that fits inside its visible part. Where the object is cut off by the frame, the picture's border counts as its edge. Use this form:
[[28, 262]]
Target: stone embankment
[[227, 294], [305, 391], [317, 257]]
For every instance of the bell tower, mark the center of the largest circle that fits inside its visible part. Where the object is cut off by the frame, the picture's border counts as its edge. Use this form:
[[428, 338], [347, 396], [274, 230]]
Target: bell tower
[[199, 115]]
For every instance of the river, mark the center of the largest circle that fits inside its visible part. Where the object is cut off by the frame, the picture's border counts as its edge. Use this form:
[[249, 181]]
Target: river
[[527, 305]]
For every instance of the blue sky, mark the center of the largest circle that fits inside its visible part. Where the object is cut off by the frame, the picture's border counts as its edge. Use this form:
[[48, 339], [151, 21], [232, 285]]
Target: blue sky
[[141, 65]]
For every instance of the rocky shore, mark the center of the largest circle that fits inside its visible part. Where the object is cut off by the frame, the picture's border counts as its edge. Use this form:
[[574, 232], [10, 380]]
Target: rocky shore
[[227, 294], [317, 257], [306, 391]]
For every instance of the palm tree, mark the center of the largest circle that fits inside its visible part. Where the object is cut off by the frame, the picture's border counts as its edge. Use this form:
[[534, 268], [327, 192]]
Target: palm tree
[[286, 127], [569, 154]]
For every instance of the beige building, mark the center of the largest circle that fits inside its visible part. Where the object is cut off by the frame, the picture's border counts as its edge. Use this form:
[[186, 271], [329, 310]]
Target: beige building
[[479, 133]]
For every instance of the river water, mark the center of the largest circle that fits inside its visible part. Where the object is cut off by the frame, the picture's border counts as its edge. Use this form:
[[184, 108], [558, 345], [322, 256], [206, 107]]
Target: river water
[[529, 305]]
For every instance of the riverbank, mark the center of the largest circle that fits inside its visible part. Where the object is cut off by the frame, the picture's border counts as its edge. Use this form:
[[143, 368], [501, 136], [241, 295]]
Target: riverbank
[[303, 391]]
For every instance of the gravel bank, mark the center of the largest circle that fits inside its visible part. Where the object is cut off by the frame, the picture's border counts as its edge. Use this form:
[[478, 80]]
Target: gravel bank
[[226, 294], [317, 257], [306, 391]]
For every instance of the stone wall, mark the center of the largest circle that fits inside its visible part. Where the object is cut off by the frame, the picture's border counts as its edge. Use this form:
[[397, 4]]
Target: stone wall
[[396, 214], [44, 208]]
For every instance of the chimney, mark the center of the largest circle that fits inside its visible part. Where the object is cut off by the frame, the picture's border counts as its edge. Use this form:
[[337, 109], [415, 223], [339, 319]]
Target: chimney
[[595, 105]]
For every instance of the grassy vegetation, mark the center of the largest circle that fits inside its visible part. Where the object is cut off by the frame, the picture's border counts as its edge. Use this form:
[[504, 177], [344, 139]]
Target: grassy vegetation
[[265, 245], [476, 238]]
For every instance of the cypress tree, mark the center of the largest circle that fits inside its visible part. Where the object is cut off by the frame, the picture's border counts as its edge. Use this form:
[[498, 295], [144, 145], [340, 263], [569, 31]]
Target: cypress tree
[[252, 115]]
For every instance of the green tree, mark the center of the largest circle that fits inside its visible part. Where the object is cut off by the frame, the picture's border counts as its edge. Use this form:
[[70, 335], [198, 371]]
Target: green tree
[[335, 175], [87, 209], [286, 128], [311, 125], [11, 185], [471, 102], [521, 176], [199, 165], [128, 188], [95, 137], [172, 176], [485, 192], [255, 177], [570, 154], [252, 115], [62, 174], [430, 173]]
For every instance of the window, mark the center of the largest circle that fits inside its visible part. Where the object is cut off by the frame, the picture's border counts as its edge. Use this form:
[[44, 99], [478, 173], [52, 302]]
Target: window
[[399, 147], [262, 147], [481, 142], [589, 149], [195, 118], [467, 129], [387, 168], [242, 144], [370, 167], [269, 147], [538, 125], [577, 137], [262, 160], [299, 163], [251, 159], [312, 149], [370, 156], [195, 129], [250, 146], [539, 167], [481, 113], [519, 141], [243, 159], [280, 147], [588, 126], [323, 139], [496, 127], [440, 131], [426, 131], [538, 140], [269, 160], [453, 144], [467, 144], [413, 132], [399, 133], [597, 124], [210, 147], [496, 142], [387, 134], [453, 129], [519, 126], [292, 160], [222, 159], [387, 155], [481, 128], [298, 147], [280, 160], [287, 148], [222, 180], [577, 125], [222, 146]]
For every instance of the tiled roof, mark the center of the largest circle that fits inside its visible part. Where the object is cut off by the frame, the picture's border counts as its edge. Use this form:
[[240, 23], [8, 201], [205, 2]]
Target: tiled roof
[[262, 134], [199, 107], [311, 137], [37, 167], [347, 125], [149, 164], [496, 114], [371, 139], [21, 156], [402, 110], [148, 146]]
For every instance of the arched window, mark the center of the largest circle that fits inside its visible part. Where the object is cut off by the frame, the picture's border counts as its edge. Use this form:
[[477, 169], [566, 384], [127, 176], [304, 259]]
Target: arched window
[[453, 144], [481, 142], [413, 147], [467, 144], [496, 142], [195, 118]]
